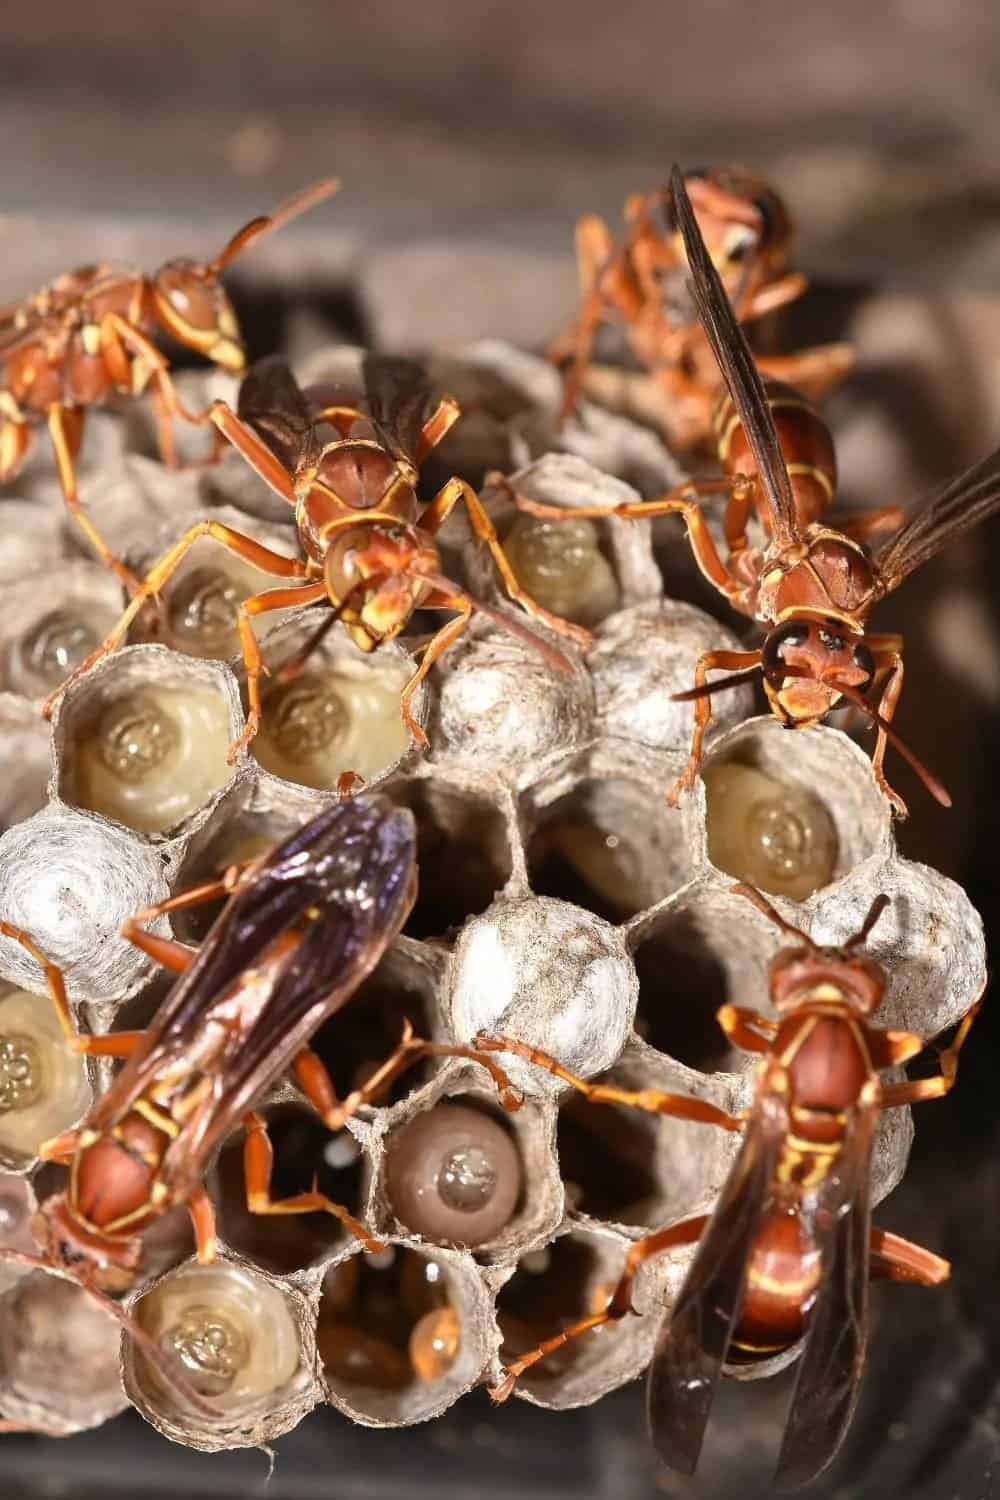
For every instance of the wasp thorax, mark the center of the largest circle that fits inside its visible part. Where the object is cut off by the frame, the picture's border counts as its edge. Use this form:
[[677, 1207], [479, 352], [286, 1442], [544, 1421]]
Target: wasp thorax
[[49, 651], [773, 834], [43, 1085], [561, 565], [454, 1175], [329, 722], [153, 756], [231, 1332]]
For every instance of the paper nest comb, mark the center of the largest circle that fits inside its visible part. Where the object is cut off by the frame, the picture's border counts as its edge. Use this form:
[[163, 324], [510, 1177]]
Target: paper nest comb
[[561, 902]]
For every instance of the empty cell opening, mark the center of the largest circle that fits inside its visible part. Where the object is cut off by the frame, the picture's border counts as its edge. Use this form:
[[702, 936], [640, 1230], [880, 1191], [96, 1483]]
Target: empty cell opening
[[463, 854], [454, 1173], [611, 847], [354, 1042], [607, 1156], [389, 1330], [570, 1279], [304, 1149], [690, 962]]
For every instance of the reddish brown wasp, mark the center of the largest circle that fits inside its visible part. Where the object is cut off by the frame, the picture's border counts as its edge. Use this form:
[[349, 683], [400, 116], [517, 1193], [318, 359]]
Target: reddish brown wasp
[[368, 539], [789, 1250], [640, 283], [302, 928], [810, 585], [91, 332]]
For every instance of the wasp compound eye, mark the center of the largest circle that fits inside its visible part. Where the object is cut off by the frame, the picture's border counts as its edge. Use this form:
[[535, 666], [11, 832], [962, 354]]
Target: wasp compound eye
[[779, 643]]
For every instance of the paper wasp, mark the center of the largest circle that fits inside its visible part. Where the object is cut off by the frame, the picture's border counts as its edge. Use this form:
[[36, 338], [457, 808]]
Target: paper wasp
[[789, 1250], [810, 585], [640, 283], [368, 539], [302, 927], [91, 333]]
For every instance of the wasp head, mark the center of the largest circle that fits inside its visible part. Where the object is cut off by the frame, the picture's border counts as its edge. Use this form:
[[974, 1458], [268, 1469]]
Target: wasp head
[[373, 574], [192, 305], [806, 661]]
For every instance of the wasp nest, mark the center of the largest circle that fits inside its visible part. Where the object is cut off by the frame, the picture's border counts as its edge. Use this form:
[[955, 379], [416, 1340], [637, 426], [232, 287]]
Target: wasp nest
[[561, 901]]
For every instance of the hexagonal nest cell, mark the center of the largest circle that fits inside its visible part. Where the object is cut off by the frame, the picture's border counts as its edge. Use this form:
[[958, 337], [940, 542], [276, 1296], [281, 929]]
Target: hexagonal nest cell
[[561, 904]]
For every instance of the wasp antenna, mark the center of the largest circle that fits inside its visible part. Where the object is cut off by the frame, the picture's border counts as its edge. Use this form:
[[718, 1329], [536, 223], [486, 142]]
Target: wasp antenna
[[930, 781], [758, 899], [737, 679], [291, 209], [876, 909]]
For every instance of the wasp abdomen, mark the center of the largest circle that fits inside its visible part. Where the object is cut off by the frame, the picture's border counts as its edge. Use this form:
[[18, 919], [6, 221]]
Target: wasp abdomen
[[805, 443]]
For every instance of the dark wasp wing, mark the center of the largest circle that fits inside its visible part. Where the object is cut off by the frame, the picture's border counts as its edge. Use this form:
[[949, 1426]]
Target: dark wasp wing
[[832, 1361], [397, 393], [971, 498], [694, 1340], [273, 404], [341, 887], [737, 366]]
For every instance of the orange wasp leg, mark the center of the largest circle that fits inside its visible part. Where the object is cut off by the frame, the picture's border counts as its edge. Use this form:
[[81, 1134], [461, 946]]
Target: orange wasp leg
[[775, 294], [258, 1166], [595, 258], [896, 1259], [261, 557], [747, 1028], [438, 425], [437, 513], [259, 604], [864, 524], [619, 1305], [814, 372], [173, 955], [201, 1211], [653, 1101], [702, 544], [316, 1083], [914, 1090], [887, 655], [65, 430], [113, 1044], [711, 660], [256, 452], [435, 648]]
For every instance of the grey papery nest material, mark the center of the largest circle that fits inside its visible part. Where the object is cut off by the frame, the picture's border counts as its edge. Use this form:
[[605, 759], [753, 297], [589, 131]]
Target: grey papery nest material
[[539, 785]]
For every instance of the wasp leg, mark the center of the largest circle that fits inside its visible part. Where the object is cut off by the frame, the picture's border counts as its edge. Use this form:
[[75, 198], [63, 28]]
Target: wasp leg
[[896, 1259], [439, 509], [261, 557], [438, 425], [747, 1028], [435, 648], [201, 1210], [710, 660], [654, 1101], [677, 502], [619, 1306], [913, 1090], [259, 604], [888, 656], [258, 1166], [65, 431], [256, 452]]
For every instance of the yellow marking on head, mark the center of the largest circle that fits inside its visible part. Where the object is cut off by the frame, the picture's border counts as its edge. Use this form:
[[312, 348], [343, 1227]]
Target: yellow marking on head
[[90, 338]]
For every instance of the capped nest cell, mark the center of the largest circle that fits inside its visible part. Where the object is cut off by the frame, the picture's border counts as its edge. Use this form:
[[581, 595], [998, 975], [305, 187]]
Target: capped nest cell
[[561, 902]]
